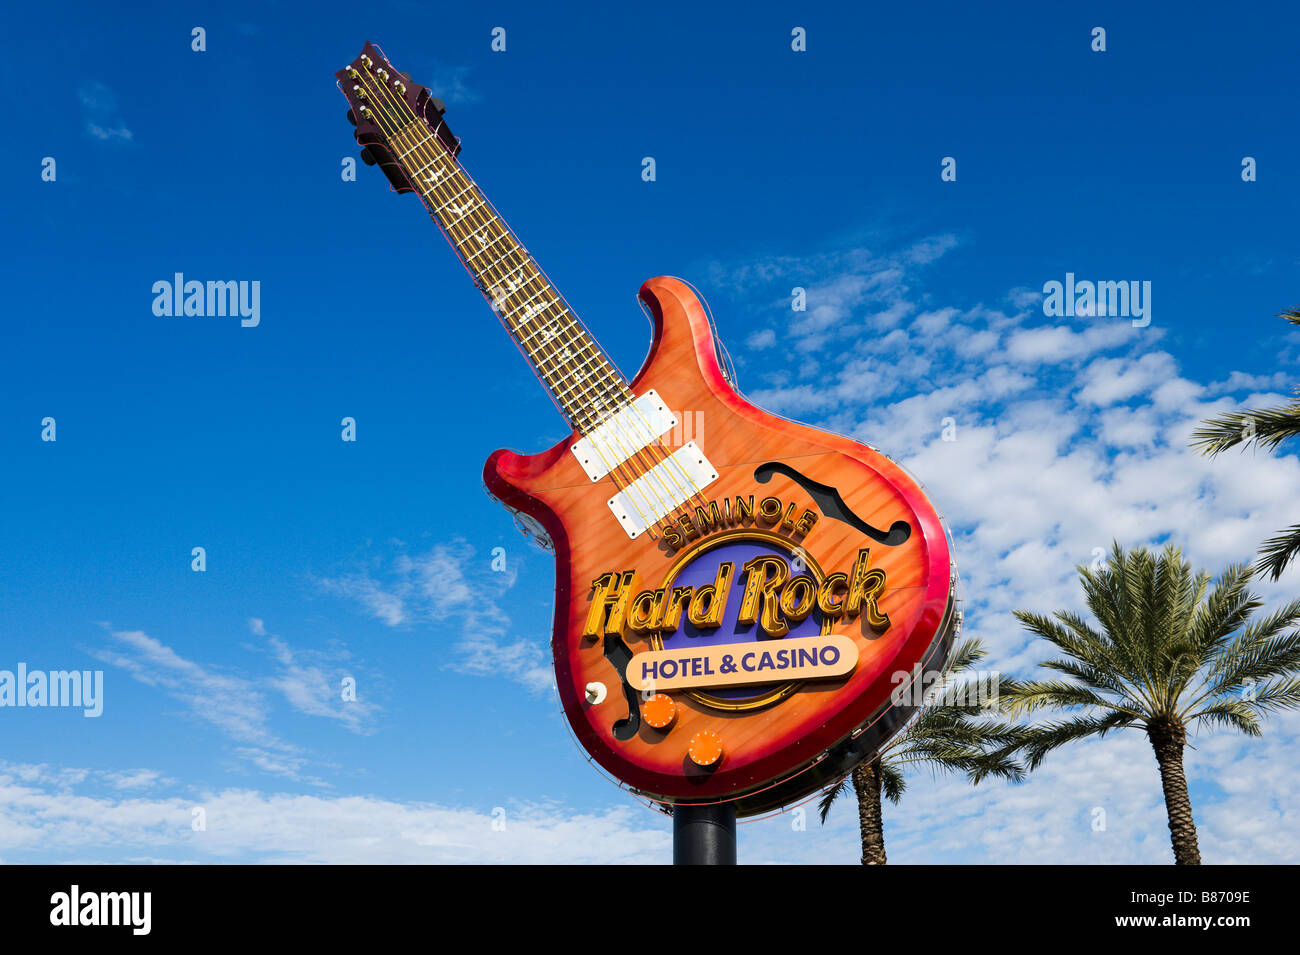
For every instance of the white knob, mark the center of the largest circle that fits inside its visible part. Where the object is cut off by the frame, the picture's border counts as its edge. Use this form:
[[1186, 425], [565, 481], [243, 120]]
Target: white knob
[[595, 693]]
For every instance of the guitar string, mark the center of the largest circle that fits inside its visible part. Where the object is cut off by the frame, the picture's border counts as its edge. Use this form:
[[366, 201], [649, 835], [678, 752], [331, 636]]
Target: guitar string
[[484, 227], [665, 511], [605, 366], [418, 127], [579, 412], [569, 406], [572, 408], [476, 227], [686, 495]]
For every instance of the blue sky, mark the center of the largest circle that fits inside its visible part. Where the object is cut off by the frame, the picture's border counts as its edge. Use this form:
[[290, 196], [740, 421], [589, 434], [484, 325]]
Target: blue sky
[[774, 169]]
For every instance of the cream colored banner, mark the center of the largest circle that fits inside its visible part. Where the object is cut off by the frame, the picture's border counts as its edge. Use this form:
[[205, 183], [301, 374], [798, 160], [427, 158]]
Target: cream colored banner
[[738, 664]]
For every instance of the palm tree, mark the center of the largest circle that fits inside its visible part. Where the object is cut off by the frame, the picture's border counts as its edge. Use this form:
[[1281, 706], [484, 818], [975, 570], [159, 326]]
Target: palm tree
[[949, 735], [1264, 428], [1172, 653]]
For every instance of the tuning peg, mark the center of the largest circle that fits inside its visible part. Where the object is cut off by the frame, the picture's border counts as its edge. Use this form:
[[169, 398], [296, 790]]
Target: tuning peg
[[352, 118], [366, 157]]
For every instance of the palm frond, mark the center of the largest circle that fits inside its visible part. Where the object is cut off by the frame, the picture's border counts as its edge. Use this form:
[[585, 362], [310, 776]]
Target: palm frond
[[1231, 713], [966, 655], [1261, 427], [1228, 606], [828, 798], [1259, 652], [1261, 699], [1040, 740], [1265, 428], [1095, 679], [1276, 553], [1037, 694], [892, 783]]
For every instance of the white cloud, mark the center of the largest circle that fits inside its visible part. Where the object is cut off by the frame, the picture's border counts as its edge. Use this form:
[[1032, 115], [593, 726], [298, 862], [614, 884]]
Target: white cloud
[[1239, 381], [65, 815], [845, 290], [443, 584], [1057, 343], [1068, 437], [137, 779]]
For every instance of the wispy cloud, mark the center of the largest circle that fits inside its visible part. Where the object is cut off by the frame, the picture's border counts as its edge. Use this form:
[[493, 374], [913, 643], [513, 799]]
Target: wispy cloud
[[100, 114], [447, 583], [311, 682], [240, 707], [449, 83], [844, 291]]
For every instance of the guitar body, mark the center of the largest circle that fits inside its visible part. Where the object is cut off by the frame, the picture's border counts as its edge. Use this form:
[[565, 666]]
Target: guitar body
[[779, 741], [741, 616]]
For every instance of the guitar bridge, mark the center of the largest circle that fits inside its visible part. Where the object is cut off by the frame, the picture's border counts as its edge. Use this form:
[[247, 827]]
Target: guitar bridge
[[663, 488]]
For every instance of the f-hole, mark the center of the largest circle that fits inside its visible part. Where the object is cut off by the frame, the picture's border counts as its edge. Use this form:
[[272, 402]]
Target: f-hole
[[832, 505]]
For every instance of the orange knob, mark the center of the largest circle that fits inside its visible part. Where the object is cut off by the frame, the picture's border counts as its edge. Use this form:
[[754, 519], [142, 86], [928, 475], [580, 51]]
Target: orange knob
[[659, 711], [706, 748]]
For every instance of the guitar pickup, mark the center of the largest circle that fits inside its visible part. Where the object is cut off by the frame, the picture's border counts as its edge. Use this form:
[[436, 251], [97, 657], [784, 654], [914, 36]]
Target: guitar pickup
[[663, 488], [622, 435]]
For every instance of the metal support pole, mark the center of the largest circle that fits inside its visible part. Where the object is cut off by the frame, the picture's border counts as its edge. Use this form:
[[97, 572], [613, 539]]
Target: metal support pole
[[704, 835]]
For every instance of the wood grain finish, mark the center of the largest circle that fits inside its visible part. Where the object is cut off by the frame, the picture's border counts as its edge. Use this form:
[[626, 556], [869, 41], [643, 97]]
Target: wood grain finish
[[766, 746]]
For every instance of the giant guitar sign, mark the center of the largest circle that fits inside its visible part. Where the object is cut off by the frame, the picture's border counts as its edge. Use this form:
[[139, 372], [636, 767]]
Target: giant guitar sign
[[736, 615]]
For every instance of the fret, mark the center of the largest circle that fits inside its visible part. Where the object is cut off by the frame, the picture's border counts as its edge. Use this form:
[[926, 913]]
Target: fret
[[584, 383], [406, 152], [528, 337], [530, 311], [460, 211], [489, 268], [555, 363], [469, 188], [543, 330], [484, 246], [509, 275], [508, 285], [551, 328], [568, 356], [542, 291]]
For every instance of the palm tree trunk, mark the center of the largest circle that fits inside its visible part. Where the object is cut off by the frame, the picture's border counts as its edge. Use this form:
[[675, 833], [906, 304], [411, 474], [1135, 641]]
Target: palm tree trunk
[[1168, 740], [866, 782]]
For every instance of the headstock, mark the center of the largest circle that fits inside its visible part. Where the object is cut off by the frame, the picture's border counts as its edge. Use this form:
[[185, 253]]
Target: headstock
[[382, 101]]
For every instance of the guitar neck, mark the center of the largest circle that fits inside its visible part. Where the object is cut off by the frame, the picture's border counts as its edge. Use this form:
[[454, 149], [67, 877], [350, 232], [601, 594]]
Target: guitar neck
[[581, 379]]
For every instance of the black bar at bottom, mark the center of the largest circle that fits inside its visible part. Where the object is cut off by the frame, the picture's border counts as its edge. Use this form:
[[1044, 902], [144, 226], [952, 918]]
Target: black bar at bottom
[[704, 835]]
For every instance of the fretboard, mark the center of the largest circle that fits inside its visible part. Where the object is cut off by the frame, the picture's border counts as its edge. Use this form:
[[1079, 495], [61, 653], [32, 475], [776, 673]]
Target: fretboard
[[580, 377]]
